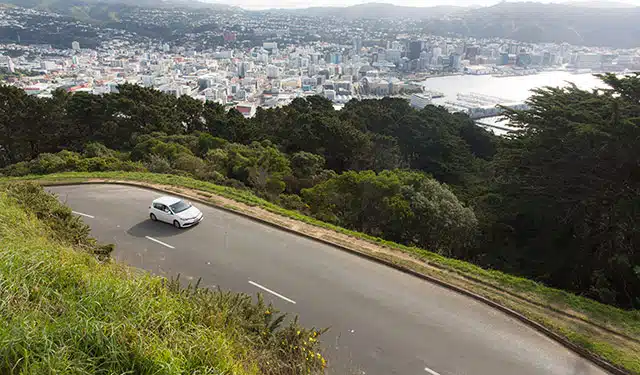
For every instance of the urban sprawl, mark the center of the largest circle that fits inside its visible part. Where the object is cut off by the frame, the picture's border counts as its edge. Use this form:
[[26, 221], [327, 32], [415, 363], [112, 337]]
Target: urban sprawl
[[271, 73]]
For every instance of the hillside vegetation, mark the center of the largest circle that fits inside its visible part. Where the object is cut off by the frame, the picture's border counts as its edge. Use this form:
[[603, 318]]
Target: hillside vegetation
[[555, 201], [65, 308]]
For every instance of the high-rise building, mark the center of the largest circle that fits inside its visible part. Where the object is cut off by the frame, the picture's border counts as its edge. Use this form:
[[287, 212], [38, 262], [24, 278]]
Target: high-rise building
[[243, 68], [415, 47], [523, 59], [504, 59], [393, 55], [454, 61], [75, 46], [472, 52], [336, 58], [357, 44], [12, 66]]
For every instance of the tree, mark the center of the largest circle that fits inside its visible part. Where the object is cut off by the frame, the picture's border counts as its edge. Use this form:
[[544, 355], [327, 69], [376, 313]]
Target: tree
[[403, 206], [568, 192]]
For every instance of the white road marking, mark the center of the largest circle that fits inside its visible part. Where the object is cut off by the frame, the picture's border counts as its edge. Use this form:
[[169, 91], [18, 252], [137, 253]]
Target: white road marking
[[430, 371], [160, 242], [272, 292], [81, 214]]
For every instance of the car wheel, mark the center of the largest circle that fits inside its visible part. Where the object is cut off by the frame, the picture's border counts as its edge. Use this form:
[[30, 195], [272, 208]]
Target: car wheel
[[153, 217], [176, 224]]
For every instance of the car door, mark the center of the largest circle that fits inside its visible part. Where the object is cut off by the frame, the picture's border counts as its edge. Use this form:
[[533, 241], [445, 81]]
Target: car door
[[167, 215], [160, 210]]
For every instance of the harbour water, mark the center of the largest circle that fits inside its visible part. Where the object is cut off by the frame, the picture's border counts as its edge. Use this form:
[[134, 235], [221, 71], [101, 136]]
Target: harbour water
[[517, 88]]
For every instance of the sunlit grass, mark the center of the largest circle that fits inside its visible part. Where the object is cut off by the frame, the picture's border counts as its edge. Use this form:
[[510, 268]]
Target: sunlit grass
[[63, 311]]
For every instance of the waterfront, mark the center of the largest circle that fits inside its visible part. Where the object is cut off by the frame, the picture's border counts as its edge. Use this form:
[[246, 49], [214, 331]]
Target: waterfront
[[517, 88], [511, 88]]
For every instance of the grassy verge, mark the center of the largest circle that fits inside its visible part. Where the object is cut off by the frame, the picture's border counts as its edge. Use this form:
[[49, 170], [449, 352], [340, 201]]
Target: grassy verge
[[605, 331], [64, 309]]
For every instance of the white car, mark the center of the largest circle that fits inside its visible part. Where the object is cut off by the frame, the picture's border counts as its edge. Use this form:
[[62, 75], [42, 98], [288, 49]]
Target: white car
[[174, 211]]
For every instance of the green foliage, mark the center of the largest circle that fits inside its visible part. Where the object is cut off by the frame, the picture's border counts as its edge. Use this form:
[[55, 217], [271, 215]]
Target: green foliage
[[63, 225], [570, 192], [158, 164], [97, 150], [553, 201], [207, 142], [71, 161], [64, 311], [404, 206]]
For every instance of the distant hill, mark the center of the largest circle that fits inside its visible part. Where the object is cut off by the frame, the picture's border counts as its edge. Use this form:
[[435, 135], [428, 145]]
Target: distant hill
[[598, 4], [536, 22], [378, 10], [66, 6], [593, 23]]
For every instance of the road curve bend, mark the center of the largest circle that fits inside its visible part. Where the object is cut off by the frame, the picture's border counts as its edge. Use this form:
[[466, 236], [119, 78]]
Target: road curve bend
[[382, 321]]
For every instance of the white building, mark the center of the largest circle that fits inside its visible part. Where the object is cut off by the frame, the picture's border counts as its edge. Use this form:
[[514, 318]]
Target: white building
[[48, 65], [420, 100], [273, 71], [393, 55], [270, 46], [330, 94], [588, 61], [223, 54], [75, 46]]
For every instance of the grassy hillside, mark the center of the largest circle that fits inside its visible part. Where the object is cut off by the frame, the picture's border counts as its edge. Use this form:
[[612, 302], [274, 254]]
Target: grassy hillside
[[604, 330], [66, 309]]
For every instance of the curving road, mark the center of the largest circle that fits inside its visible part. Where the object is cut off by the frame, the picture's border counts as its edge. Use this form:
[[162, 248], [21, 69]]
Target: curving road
[[382, 321]]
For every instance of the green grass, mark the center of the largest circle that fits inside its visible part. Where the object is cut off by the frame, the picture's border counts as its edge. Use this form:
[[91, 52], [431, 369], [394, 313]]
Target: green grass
[[63, 311], [507, 289]]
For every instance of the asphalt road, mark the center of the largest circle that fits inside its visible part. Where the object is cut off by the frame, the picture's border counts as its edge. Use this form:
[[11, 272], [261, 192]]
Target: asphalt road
[[381, 320]]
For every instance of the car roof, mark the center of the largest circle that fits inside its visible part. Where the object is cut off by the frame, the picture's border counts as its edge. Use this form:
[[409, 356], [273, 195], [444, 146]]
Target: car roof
[[167, 200]]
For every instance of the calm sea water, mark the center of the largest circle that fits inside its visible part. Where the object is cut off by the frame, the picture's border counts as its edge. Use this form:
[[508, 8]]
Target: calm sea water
[[510, 88]]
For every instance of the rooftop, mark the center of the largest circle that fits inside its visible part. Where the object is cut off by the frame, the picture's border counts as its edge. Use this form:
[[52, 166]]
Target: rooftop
[[167, 200]]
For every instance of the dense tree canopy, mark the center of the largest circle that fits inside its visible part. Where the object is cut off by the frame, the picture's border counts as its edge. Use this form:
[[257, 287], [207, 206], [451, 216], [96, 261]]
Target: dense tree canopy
[[567, 192], [556, 201]]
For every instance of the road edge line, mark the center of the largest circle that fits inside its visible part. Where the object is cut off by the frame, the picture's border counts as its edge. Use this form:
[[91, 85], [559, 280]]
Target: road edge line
[[514, 314]]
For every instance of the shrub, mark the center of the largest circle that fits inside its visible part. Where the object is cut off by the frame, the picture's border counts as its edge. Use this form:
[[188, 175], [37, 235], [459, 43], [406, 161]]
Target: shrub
[[292, 202], [158, 164], [66, 227], [189, 163], [208, 142], [22, 168], [48, 163], [231, 182], [97, 150]]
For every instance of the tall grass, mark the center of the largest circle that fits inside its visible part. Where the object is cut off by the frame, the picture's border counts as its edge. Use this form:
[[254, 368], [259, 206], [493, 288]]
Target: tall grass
[[65, 311]]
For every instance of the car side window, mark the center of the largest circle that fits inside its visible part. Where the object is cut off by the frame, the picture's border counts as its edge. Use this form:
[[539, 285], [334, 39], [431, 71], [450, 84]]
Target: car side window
[[158, 206]]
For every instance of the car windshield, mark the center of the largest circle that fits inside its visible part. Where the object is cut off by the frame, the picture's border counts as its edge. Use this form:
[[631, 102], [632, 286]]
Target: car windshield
[[180, 206]]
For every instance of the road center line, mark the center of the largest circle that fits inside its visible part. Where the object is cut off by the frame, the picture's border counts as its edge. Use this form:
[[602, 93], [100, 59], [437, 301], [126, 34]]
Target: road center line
[[81, 214], [160, 242], [430, 371], [272, 292]]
